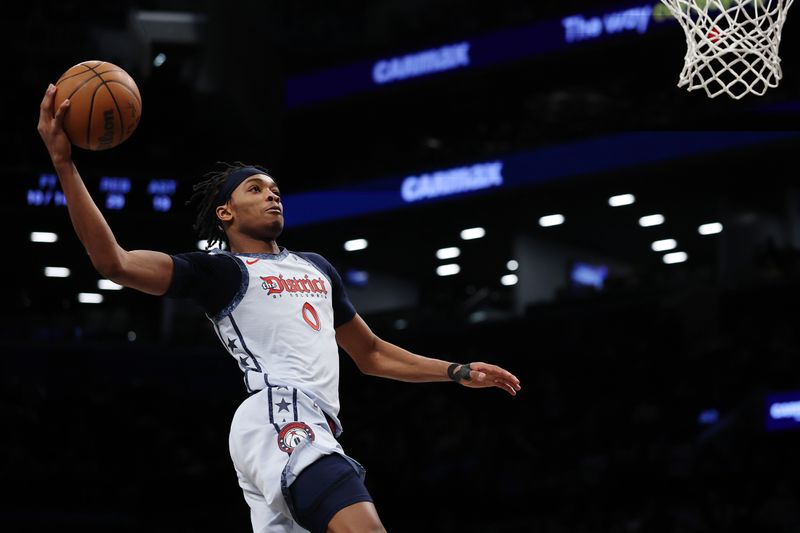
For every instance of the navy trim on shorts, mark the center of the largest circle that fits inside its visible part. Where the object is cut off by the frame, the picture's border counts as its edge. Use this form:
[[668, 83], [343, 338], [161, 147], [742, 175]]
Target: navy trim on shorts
[[322, 489]]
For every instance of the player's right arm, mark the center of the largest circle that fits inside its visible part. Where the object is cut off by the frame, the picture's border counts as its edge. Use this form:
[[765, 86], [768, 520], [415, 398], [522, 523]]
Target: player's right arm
[[144, 270]]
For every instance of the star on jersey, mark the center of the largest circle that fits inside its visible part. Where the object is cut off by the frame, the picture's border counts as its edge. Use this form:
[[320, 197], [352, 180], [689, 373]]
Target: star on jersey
[[283, 406], [232, 344]]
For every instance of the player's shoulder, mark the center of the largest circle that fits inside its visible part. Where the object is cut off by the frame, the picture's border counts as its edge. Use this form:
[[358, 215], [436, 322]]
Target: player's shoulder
[[212, 258], [318, 260], [312, 256], [214, 254]]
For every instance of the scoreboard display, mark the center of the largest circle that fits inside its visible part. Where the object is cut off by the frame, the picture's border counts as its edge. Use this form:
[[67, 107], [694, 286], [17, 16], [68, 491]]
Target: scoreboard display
[[111, 193]]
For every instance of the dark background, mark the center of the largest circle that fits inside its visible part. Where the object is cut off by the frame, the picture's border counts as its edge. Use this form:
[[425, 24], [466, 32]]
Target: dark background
[[104, 433]]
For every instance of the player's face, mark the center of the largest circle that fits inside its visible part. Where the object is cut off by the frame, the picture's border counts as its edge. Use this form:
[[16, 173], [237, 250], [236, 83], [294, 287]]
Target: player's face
[[257, 208]]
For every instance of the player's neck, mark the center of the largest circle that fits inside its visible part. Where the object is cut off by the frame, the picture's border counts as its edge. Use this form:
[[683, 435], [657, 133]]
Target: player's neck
[[247, 245]]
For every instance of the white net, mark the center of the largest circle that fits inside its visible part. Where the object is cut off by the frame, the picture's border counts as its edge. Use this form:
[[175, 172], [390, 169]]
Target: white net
[[732, 45]]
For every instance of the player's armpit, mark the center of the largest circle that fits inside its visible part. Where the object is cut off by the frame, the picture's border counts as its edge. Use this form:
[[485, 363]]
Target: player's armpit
[[144, 270]]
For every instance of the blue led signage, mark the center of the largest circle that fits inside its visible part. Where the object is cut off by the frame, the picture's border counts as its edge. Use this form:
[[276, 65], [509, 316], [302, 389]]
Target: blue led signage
[[427, 62], [579, 28], [521, 169], [491, 49], [782, 411], [161, 192], [46, 193], [452, 181], [586, 275]]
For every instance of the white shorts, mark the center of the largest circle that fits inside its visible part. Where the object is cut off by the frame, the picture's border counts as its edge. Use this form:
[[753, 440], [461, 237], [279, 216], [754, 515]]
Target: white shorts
[[275, 434]]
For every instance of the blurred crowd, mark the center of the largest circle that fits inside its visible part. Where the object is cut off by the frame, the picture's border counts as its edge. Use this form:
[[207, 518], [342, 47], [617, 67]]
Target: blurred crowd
[[641, 411]]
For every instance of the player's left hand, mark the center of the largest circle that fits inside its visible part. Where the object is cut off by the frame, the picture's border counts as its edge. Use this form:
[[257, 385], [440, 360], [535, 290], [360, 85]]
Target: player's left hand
[[483, 375], [51, 127]]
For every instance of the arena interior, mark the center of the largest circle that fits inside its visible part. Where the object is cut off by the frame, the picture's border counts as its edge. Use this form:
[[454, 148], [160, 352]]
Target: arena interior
[[631, 253]]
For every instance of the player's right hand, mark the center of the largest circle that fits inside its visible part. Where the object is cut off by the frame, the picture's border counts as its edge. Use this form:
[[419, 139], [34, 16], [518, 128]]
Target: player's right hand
[[483, 375], [51, 127]]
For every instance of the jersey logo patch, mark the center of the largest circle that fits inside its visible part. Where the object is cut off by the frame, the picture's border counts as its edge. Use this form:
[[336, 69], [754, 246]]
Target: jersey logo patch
[[304, 285], [293, 434], [311, 317]]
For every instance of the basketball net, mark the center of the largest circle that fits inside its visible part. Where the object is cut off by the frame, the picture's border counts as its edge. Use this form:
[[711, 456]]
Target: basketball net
[[732, 45]]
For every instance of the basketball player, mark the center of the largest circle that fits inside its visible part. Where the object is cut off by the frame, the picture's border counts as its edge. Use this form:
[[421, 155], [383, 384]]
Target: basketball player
[[280, 314]]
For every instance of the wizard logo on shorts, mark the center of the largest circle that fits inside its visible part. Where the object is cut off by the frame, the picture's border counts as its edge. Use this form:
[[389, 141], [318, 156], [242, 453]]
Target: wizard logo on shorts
[[293, 434]]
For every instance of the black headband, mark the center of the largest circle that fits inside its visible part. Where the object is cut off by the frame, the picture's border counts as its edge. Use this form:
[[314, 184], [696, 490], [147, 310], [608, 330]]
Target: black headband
[[233, 180]]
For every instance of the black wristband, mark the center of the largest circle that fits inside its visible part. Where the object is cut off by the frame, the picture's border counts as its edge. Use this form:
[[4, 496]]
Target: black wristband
[[461, 375]]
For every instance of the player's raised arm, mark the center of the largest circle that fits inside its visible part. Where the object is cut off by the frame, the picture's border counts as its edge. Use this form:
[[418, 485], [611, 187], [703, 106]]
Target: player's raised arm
[[144, 270], [376, 357]]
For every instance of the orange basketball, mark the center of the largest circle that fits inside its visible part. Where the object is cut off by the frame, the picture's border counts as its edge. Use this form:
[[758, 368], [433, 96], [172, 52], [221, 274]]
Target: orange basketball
[[105, 104]]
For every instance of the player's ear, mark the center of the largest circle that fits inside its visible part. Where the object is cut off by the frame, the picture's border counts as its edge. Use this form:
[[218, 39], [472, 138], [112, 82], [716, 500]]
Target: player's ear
[[224, 213]]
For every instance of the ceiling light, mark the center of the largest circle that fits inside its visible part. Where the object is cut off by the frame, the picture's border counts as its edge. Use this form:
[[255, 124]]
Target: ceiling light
[[472, 233], [448, 270], [509, 279], [710, 229], [664, 245], [56, 272], [621, 199], [651, 220], [90, 298], [355, 245], [551, 220], [108, 285], [43, 236], [448, 253], [675, 257]]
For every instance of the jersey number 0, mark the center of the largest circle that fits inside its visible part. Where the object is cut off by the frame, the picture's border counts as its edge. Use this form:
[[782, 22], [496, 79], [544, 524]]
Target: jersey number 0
[[311, 317]]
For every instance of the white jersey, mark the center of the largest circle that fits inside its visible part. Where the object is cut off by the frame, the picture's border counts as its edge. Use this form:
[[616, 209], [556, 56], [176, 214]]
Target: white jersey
[[280, 326], [276, 314]]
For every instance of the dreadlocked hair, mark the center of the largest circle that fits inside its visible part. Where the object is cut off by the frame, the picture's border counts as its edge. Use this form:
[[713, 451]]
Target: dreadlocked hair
[[207, 225]]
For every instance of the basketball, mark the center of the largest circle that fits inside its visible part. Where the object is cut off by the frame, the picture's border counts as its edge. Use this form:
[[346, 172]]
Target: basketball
[[105, 104]]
